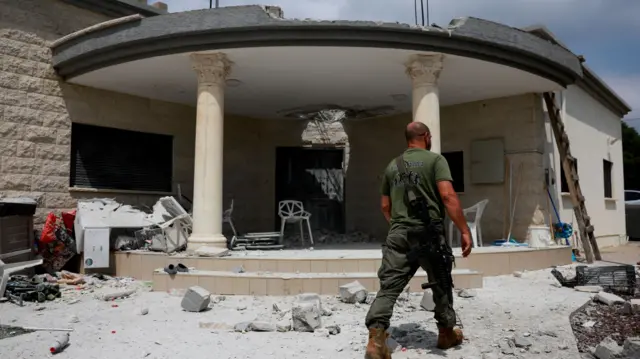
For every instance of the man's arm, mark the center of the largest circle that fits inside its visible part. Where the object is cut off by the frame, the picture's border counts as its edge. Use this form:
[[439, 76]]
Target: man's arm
[[454, 210], [385, 204]]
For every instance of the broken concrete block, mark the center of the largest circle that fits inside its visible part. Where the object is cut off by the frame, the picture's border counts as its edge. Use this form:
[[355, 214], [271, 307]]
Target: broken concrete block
[[608, 349], [608, 298], [196, 299], [306, 316], [427, 302], [631, 348], [589, 288], [353, 292], [283, 325], [242, 327], [635, 305], [334, 329], [467, 293], [259, 326], [142, 311], [321, 332], [521, 342]]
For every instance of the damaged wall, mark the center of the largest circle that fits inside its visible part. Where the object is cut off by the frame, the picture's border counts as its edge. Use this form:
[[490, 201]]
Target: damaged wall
[[518, 120]]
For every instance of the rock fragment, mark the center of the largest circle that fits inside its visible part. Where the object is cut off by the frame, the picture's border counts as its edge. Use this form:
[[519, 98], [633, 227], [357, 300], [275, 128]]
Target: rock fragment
[[467, 293], [608, 298], [608, 349], [283, 325], [242, 327], [334, 329], [353, 292], [260, 326], [427, 302], [306, 313], [521, 342], [196, 299], [589, 288]]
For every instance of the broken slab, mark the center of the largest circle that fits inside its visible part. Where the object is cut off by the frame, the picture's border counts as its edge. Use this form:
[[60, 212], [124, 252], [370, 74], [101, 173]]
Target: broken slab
[[353, 292], [427, 302], [589, 288], [196, 299], [284, 325], [608, 298], [608, 349], [306, 316], [260, 326]]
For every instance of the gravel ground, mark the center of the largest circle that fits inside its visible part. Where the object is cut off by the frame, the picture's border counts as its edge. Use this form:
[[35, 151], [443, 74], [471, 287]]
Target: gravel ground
[[530, 307]]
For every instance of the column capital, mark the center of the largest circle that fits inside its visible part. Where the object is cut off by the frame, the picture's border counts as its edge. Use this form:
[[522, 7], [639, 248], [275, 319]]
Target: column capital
[[211, 68], [425, 68]]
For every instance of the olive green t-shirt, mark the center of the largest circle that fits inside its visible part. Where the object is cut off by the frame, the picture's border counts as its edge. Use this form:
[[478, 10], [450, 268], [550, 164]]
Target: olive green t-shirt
[[426, 169]]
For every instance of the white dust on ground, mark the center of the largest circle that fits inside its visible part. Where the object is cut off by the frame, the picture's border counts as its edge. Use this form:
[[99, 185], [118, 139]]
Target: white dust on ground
[[506, 306]]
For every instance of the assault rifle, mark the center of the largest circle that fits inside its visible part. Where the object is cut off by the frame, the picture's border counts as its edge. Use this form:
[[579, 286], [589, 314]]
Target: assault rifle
[[431, 244]]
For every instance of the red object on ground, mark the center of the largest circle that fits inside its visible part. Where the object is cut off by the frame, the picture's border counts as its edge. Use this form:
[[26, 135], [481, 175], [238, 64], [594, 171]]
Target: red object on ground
[[52, 350], [114, 306], [49, 229], [68, 218], [113, 332]]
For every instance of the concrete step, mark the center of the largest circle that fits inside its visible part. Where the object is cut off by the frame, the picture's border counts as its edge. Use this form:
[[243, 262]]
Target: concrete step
[[274, 283]]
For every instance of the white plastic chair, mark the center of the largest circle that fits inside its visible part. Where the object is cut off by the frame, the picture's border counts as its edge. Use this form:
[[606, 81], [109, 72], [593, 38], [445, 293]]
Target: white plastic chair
[[293, 212], [473, 215]]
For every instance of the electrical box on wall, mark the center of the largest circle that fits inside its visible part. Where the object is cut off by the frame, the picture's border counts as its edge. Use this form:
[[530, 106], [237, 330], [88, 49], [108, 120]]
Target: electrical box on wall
[[96, 247]]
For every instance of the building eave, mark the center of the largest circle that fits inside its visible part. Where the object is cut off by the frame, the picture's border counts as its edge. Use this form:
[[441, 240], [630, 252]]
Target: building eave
[[116, 8]]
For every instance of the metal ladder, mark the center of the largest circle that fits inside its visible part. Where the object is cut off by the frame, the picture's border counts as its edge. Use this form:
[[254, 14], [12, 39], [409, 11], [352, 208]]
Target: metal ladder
[[587, 237]]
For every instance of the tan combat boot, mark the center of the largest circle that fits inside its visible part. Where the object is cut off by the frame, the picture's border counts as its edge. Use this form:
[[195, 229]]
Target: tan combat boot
[[449, 338], [377, 346]]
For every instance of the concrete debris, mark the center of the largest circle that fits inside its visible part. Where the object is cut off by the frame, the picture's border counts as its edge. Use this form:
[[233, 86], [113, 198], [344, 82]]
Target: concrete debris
[[284, 325], [631, 348], [107, 297], [275, 309], [427, 302], [321, 332], [517, 274], [196, 299], [306, 313], [589, 324], [327, 312], [214, 326], [334, 329], [353, 292], [608, 298], [505, 348], [142, 311], [242, 327], [589, 288], [608, 349], [260, 326], [635, 305], [371, 296], [521, 342], [467, 293]]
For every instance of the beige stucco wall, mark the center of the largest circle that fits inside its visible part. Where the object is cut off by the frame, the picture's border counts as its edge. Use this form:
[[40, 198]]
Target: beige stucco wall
[[517, 120], [590, 126]]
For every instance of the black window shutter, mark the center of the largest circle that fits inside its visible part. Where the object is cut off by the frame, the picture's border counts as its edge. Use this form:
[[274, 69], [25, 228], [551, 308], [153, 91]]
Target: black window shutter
[[109, 158]]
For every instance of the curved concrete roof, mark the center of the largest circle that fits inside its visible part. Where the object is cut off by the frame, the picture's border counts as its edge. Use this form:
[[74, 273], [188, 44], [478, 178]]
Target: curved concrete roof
[[257, 26]]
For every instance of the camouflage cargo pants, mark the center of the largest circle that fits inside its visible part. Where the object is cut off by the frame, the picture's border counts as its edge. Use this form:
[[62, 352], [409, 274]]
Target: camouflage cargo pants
[[395, 273]]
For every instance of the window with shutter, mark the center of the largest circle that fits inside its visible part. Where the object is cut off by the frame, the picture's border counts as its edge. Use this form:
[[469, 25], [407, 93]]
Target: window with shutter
[[109, 158]]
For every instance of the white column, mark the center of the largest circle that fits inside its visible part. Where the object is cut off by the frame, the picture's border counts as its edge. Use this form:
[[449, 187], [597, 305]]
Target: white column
[[212, 70], [424, 71]]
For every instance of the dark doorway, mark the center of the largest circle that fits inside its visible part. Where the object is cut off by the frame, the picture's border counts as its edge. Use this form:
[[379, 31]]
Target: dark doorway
[[314, 177]]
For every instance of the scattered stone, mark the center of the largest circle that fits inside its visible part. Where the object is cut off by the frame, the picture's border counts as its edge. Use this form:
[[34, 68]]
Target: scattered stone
[[505, 348], [326, 312], [74, 319], [608, 298], [276, 309], [631, 347], [38, 309], [627, 309], [242, 327], [334, 329], [589, 288], [321, 332], [608, 349], [635, 305], [522, 342], [241, 307], [238, 270], [589, 324], [353, 292], [517, 274], [371, 296], [259, 326], [143, 311], [306, 313], [196, 299], [427, 302], [467, 293], [283, 325]]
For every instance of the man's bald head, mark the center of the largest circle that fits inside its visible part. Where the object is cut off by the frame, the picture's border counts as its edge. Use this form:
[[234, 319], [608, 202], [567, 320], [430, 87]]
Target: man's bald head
[[415, 130]]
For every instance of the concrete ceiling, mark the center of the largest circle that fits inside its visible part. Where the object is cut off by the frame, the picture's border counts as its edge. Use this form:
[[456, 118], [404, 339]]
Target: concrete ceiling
[[274, 81]]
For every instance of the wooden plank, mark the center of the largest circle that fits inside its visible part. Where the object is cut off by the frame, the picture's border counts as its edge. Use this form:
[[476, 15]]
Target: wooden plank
[[589, 243]]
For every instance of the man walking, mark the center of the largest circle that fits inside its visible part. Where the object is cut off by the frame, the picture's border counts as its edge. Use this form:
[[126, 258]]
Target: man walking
[[425, 175]]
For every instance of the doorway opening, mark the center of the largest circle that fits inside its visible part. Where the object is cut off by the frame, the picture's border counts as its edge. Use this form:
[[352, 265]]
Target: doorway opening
[[315, 177]]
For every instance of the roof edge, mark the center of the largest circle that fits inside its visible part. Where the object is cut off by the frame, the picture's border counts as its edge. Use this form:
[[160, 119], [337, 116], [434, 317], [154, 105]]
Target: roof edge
[[590, 82], [116, 8]]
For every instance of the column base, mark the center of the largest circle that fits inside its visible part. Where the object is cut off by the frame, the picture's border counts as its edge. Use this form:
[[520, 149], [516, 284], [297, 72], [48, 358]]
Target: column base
[[214, 245]]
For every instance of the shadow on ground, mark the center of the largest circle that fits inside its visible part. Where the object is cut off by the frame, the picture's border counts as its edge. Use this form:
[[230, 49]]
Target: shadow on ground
[[414, 336]]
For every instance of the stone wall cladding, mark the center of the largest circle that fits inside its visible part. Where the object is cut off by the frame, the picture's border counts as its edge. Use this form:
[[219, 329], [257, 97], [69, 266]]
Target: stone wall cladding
[[37, 109]]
